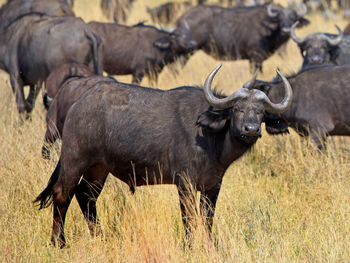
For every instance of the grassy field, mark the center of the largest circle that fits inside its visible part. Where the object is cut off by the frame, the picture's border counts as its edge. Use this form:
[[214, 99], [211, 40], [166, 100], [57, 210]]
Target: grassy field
[[282, 202]]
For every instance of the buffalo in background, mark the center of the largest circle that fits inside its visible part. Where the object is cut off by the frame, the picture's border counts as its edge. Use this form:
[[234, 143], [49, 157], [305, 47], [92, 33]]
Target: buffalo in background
[[252, 33], [323, 48], [14, 9], [320, 105], [144, 136], [40, 43], [59, 76], [141, 49], [68, 92]]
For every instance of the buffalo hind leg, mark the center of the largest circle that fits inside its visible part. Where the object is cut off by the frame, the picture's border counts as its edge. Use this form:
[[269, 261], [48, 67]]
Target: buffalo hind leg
[[87, 193], [207, 206], [33, 94], [63, 192], [17, 88]]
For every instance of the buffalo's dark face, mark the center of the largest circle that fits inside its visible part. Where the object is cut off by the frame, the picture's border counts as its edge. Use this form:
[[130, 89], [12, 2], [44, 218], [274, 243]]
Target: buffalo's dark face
[[315, 51], [318, 48], [286, 17], [182, 39], [246, 117]]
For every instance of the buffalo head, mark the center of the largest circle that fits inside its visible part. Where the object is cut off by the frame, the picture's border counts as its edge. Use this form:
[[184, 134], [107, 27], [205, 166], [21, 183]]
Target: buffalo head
[[318, 48], [243, 111], [181, 39], [286, 17]]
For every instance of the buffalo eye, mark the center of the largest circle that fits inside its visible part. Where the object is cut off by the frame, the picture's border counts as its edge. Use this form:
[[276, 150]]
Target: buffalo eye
[[303, 53]]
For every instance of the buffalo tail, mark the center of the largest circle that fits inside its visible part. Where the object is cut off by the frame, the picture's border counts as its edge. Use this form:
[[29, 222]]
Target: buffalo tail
[[45, 197]]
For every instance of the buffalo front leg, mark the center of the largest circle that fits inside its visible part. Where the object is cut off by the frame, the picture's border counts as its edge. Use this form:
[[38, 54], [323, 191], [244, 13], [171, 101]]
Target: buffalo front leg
[[207, 206], [188, 208], [87, 193]]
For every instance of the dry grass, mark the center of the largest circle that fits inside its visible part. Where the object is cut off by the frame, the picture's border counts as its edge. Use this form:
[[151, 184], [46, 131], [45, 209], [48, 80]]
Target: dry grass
[[283, 202]]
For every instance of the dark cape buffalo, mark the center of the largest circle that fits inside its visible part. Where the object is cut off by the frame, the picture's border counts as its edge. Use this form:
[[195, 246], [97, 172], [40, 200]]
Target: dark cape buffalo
[[59, 76], [144, 136], [39, 44], [323, 48], [320, 106], [141, 49], [68, 92], [252, 33], [17, 8]]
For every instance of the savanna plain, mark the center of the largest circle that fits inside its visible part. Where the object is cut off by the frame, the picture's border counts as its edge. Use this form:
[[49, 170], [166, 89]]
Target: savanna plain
[[282, 202]]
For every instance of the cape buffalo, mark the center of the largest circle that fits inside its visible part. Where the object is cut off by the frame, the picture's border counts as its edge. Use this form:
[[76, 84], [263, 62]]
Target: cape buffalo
[[320, 106], [252, 33], [140, 49], [322, 48], [16, 8], [58, 76], [150, 136], [39, 44], [69, 92]]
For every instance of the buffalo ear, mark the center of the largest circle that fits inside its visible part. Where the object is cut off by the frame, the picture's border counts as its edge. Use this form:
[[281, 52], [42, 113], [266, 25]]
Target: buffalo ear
[[275, 124], [214, 120], [302, 22], [262, 85], [270, 24], [162, 43]]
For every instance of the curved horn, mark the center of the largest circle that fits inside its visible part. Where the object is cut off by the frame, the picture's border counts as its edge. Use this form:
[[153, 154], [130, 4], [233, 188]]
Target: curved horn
[[223, 103], [250, 84], [168, 30], [277, 108], [270, 12], [337, 40], [187, 27], [303, 10], [294, 36]]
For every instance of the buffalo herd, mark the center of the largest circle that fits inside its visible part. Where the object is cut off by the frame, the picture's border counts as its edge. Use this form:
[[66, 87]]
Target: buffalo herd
[[183, 136]]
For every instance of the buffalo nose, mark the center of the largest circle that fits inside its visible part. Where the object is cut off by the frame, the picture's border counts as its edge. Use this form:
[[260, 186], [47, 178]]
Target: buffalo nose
[[316, 60], [252, 129]]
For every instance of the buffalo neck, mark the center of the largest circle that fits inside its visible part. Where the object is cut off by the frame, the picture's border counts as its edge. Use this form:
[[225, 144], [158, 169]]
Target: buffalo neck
[[223, 147]]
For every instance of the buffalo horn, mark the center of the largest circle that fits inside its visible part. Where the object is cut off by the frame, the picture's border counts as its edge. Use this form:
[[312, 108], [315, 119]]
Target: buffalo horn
[[168, 30], [277, 108], [219, 103], [337, 40], [187, 27], [270, 12], [250, 83], [294, 36]]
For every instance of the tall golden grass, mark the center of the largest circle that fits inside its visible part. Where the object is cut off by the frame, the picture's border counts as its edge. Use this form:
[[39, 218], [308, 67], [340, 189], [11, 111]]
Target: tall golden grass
[[282, 202]]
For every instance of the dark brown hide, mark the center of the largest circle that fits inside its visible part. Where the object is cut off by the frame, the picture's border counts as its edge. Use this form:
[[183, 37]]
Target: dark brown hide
[[140, 50]]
